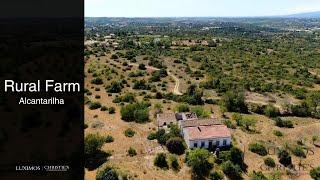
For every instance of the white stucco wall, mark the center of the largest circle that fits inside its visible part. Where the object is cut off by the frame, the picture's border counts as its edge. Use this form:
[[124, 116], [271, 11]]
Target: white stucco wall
[[185, 136], [190, 143]]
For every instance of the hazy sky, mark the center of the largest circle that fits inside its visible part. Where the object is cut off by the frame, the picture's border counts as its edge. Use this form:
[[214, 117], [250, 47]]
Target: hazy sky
[[191, 8]]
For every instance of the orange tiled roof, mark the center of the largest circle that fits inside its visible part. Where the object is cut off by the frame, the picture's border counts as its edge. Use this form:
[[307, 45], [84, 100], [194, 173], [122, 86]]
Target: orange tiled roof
[[207, 132]]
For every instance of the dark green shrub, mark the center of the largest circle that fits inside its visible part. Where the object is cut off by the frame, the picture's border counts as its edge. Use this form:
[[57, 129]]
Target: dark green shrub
[[112, 110], [271, 111], [152, 136], [107, 173], [114, 56], [161, 160], [269, 162], [258, 176], [173, 162], [128, 98], [109, 139], [216, 176], [233, 171], [183, 108], [129, 132], [201, 112], [229, 124], [301, 110], [174, 131], [279, 122], [97, 81], [284, 157], [258, 149], [141, 84], [238, 118], [137, 112], [115, 87], [176, 145], [315, 173], [94, 105], [162, 136], [177, 61], [198, 160], [142, 115], [233, 101], [93, 144], [277, 133], [298, 151], [223, 157], [127, 112], [236, 156], [142, 67], [283, 123], [103, 108], [248, 122], [132, 152], [193, 95], [136, 74], [158, 95], [211, 101], [257, 108], [287, 124]]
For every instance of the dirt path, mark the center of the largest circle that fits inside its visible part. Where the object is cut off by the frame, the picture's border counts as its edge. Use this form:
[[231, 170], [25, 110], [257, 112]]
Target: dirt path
[[177, 84], [177, 81]]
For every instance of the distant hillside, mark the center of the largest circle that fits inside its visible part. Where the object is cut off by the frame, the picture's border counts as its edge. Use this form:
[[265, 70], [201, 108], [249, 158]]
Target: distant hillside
[[306, 15]]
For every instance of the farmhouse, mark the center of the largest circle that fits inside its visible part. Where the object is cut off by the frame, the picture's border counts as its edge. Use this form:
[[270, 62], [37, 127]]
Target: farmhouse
[[205, 133], [207, 136]]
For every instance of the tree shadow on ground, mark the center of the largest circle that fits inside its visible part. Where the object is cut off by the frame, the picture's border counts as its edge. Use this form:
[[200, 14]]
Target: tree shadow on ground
[[92, 162]]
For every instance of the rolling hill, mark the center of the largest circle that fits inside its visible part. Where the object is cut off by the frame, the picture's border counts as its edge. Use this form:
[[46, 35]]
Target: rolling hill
[[306, 15]]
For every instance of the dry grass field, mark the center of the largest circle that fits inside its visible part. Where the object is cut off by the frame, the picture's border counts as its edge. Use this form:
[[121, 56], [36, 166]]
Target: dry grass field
[[141, 166]]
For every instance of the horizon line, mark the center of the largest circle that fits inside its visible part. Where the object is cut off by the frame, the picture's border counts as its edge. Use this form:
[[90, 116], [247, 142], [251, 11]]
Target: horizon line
[[271, 16], [257, 16]]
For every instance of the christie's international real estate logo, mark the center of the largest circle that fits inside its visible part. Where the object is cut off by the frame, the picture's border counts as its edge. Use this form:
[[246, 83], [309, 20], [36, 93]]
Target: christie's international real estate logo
[[56, 168], [42, 168]]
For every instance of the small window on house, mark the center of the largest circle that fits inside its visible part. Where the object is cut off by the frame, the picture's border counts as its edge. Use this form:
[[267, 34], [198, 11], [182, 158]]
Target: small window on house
[[202, 144], [164, 123], [195, 145], [218, 143], [224, 142]]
